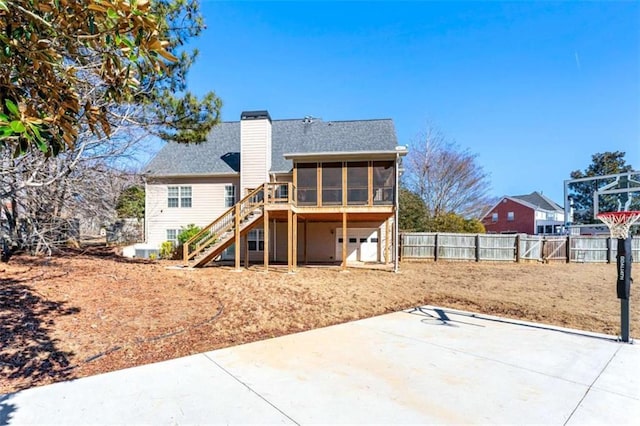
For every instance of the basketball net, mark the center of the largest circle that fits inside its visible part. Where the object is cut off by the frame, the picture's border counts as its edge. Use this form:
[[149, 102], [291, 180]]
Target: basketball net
[[619, 222]]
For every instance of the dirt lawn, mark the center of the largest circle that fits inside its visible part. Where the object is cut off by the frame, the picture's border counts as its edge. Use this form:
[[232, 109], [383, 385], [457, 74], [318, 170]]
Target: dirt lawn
[[82, 314]]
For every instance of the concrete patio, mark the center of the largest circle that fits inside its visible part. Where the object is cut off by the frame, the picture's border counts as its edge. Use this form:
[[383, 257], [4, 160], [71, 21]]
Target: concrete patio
[[428, 365]]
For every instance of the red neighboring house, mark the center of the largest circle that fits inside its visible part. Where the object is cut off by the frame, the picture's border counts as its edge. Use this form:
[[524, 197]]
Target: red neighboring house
[[527, 214]]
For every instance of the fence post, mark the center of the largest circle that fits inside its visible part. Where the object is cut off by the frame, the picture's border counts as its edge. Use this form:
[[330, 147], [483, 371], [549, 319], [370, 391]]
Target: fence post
[[517, 248], [435, 248], [568, 248], [477, 247], [609, 249], [543, 244]]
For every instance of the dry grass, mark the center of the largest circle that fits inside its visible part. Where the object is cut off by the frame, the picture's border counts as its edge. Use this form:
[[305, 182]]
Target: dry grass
[[84, 314]]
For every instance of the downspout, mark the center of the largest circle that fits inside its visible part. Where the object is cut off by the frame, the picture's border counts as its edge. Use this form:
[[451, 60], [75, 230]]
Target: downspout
[[567, 206], [395, 215], [145, 228]]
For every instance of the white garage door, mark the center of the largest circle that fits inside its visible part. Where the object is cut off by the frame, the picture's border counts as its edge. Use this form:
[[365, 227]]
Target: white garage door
[[362, 244]]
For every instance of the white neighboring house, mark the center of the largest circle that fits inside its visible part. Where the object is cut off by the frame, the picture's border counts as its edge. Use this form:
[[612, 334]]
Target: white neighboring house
[[299, 190]]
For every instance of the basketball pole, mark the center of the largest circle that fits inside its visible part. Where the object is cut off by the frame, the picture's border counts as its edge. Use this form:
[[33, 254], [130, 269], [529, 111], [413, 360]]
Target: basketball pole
[[623, 285], [620, 223]]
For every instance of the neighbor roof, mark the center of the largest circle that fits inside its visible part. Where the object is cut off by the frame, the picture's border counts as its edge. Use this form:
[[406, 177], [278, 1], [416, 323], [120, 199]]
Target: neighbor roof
[[540, 201], [221, 152], [535, 201]]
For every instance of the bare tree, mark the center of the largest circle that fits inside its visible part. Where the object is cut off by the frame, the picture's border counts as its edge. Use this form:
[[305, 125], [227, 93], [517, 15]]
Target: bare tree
[[45, 199], [446, 177]]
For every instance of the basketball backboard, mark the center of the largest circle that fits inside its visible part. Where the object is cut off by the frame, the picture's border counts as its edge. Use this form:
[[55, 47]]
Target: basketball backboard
[[608, 193]]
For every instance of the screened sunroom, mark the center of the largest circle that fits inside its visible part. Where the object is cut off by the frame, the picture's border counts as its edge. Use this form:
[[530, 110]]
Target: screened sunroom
[[345, 183]]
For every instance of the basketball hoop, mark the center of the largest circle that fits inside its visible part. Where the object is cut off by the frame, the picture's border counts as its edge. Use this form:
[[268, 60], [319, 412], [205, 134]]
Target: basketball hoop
[[619, 222]]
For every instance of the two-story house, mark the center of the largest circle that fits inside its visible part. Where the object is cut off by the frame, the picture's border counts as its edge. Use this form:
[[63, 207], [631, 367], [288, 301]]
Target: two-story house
[[263, 190], [528, 214]]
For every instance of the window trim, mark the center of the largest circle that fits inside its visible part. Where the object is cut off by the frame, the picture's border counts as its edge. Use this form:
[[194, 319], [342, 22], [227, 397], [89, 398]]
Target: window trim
[[255, 236], [228, 196], [173, 241], [178, 194], [173, 197]]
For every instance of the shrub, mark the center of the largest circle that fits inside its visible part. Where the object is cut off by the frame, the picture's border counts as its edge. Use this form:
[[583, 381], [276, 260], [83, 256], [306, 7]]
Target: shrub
[[451, 222], [167, 250], [187, 232]]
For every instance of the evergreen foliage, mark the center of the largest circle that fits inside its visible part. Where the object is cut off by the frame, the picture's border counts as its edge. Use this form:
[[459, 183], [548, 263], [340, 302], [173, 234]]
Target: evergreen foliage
[[131, 203], [581, 193], [413, 213]]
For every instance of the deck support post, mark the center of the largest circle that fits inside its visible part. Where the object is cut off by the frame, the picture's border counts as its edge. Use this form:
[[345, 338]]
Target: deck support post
[[387, 241], [265, 227], [304, 249], [294, 241], [246, 250], [236, 230], [185, 254], [344, 241], [289, 241]]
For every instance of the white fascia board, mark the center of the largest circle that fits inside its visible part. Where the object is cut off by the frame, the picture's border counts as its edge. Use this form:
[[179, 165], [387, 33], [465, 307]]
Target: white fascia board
[[187, 176], [344, 154]]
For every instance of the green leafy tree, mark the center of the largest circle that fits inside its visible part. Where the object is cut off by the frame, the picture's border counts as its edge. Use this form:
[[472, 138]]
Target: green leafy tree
[[413, 213], [581, 193], [131, 203], [70, 64], [451, 222]]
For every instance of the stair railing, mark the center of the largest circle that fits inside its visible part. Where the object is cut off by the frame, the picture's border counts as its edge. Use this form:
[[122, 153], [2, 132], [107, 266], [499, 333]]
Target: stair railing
[[209, 235]]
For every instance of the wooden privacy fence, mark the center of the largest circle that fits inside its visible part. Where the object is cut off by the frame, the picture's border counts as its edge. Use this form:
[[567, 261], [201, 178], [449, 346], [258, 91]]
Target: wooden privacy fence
[[510, 248]]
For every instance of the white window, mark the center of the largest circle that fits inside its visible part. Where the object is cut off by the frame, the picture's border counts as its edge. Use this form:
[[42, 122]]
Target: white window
[[173, 194], [229, 195], [185, 196], [255, 240], [494, 217], [179, 196], [172, 235], [282, 192], [510, 216]]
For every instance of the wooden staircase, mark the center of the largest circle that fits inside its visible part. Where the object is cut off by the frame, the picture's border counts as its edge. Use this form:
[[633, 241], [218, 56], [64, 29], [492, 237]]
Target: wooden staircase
[[237, 221]]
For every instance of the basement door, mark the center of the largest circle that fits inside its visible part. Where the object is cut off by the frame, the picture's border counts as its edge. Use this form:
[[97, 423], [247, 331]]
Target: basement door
[[362, 244]]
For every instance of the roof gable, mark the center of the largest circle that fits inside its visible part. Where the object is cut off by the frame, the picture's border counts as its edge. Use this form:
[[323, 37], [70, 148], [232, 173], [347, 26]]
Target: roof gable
[[539, 201], [534, 201]]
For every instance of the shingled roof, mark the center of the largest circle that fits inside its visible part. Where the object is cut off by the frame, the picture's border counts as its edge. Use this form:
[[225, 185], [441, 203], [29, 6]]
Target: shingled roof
[[221, 152], [540, 201]]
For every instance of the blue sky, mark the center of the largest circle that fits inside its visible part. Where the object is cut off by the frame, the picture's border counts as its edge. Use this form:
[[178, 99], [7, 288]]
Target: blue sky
[[533, 88]]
